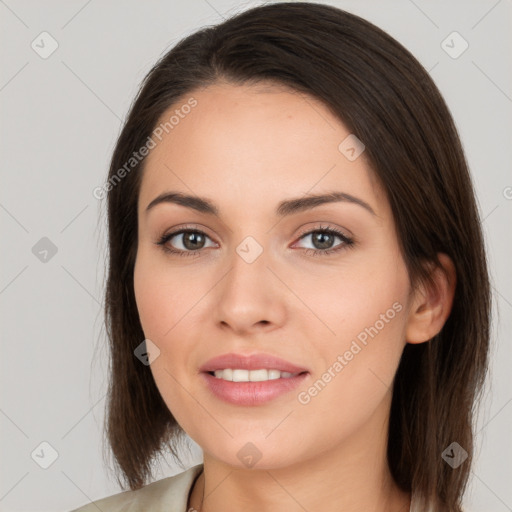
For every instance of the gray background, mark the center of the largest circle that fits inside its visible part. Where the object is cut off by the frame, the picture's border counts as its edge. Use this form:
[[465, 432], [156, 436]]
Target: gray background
[[60, 118]]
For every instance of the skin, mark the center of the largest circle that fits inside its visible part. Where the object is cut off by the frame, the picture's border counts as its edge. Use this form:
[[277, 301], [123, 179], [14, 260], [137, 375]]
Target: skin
[[247, 148]]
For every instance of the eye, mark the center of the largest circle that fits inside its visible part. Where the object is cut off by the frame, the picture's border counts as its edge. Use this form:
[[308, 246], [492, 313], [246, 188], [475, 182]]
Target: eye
[[189, 242], [323, 239]]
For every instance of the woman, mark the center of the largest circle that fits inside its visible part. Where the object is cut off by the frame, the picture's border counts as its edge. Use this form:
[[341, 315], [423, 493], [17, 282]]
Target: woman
[[297, 277]]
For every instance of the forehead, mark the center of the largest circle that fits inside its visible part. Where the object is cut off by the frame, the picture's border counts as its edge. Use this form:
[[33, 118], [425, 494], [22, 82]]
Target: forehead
[[253, 142]]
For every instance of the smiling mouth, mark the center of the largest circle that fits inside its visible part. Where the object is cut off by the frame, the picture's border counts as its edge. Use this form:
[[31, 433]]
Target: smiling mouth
[[247, 388], [260, 375]]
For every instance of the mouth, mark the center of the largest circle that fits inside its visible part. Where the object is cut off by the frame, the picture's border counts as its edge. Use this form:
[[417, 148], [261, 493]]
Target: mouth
[[259, 375], [232, 386], [249, 380]]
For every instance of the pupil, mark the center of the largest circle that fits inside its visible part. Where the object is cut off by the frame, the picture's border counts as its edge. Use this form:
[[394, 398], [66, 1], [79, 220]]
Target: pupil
[[191, 239], [321, 239]]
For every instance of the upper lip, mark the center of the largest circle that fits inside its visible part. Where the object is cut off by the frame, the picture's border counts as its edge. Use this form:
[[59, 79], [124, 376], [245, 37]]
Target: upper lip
[[250, 362]]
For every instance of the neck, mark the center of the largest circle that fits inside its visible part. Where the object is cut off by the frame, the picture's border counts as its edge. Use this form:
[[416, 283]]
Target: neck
[[353, 477]]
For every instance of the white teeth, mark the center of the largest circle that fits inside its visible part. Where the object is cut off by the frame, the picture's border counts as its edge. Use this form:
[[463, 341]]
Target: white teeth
[[240, 375], [274, 374], [228, 374], [237, 375]]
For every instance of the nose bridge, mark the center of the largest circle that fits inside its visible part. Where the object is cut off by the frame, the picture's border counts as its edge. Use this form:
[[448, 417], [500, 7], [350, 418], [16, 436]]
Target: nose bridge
[[248, 266], [248, 295], [249, 250]]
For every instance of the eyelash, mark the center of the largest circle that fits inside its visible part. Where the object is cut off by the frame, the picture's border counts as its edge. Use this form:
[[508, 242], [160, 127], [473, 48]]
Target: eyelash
[[347, 242]]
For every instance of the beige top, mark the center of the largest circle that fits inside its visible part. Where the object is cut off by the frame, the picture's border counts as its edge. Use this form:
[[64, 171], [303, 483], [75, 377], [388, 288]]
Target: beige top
[[167, 495]]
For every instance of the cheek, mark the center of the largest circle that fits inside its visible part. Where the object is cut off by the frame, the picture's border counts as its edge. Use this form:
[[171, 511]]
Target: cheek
[[160, 296], [160, 307], [169, 315], [359, 363], [356, 302], [148, 296], [355, 370]]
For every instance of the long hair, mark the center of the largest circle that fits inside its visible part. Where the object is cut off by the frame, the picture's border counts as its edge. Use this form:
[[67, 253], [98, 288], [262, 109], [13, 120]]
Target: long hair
[[387, 99]]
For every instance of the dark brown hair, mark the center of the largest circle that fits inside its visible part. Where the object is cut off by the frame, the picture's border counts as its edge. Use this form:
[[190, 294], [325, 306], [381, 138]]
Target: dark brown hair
[[387, 99]]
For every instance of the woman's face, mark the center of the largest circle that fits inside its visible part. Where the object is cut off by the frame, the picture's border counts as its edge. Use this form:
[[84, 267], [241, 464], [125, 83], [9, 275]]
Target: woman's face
[[258, 277]]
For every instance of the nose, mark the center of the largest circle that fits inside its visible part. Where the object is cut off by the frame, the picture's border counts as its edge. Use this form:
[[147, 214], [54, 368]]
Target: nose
[[250, 298]]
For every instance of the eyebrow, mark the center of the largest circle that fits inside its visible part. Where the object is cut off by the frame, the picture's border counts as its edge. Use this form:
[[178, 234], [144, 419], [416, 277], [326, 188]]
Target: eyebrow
[[285, 208]]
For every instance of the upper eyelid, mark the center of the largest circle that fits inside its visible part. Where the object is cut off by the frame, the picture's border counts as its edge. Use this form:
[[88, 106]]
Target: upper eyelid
[[335, 230], [184, 229]]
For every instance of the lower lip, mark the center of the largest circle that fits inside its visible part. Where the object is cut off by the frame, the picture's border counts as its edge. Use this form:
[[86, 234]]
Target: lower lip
[[251, 393]]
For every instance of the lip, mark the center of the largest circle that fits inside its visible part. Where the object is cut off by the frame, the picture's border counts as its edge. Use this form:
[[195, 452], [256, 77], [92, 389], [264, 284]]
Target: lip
[[250, 362], [251, 393]]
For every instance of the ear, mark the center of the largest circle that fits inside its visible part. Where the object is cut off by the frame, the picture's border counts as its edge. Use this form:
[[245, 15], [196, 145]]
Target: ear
[[432, 303]]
